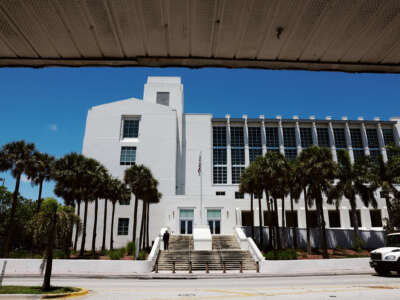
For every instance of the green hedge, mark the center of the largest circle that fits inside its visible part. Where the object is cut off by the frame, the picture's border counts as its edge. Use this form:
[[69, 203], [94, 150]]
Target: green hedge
[[287, 254]]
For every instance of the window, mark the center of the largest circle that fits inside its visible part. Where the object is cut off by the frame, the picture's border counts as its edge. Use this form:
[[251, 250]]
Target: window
[[220, 193], [312, 218], [358, 218], [123, 224], [388, 136], [247, 218], [268, 218], [374, 154], [272, 137], [163, 98], [323, 137], [376, 217], [289, 137], [372, 137], [219, 155], [125, 202], [239, 195], [291, 154], [128, 156], [306, 137], [358, 154], [219, 175], [131, 129], [356, 139], [334, 218], [236, 172], [291, 218], [340, 140], [255, 145], [237, 153]]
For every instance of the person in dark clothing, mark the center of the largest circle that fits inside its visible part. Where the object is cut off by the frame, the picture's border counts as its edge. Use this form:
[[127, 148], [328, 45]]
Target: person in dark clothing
[[166, 239]]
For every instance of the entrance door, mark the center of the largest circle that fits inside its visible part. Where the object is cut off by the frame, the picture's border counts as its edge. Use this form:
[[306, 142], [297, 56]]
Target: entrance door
[[186, 221], [214, 220]]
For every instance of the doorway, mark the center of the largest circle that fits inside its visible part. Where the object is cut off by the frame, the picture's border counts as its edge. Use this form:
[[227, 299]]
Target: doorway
[[186, 221], [214, 220]]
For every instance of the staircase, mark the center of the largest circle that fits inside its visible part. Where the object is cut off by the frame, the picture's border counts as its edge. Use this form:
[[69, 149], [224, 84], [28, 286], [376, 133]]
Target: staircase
[[225, 248]]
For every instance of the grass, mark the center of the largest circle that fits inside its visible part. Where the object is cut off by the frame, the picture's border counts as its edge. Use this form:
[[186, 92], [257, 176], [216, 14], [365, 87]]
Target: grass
[[19, 289]]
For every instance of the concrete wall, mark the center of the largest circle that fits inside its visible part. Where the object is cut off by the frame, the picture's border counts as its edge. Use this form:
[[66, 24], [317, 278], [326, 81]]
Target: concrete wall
[[335, 237]]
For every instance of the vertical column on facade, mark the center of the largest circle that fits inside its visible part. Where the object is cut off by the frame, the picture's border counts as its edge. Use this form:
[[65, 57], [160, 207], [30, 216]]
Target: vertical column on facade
[[280, 135], [298, 137], [263, 136], [228, 150], [396, 131], [246, 142], [314, 131], [332, 139], [381, 141], [348, 140], [364, 137]]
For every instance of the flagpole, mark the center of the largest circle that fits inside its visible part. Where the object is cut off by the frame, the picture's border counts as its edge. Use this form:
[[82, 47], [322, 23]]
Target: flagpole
[[201, 191]]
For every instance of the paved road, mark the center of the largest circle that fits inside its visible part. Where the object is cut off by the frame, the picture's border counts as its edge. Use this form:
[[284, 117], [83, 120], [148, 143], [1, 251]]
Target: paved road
[[308, 288]]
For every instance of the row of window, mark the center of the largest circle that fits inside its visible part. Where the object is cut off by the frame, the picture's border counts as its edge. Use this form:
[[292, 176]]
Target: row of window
[[312, 218]]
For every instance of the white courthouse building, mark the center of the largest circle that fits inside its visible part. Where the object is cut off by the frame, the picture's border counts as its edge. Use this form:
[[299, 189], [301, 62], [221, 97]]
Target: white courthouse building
[[156, 132]]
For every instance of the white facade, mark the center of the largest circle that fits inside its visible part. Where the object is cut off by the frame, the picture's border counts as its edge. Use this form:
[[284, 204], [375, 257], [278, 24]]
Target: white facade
[[169, 142]]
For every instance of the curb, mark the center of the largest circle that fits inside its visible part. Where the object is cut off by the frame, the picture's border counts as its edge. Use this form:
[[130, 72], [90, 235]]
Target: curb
[[82, 292]]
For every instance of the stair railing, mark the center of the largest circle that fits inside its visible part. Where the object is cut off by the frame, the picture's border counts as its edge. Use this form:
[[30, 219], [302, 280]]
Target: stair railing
[[219, 253], [190, 255]]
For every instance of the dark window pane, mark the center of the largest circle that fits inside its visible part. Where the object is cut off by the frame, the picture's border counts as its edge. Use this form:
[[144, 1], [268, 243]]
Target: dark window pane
[[219, 175], [340, 140], [217, 227], [312, 218], [236, 172], [163, 98], [237, 139], [388, 136], [128, 156], [189, 227], [268, 218], [254, 136], [210, 224], [237, 156], [219, 136], [291, 218], [376, 217], [358, 218], [375, 154], [239, 195], [219, 156], [254, 153], [334, 218], [291, 154], [323, 137], [289, 137], [271, 134], [358, 154], [306, 137], [131, 129], [246, 218], [183, 229], [372, 136], [356, 140], [123, 226]]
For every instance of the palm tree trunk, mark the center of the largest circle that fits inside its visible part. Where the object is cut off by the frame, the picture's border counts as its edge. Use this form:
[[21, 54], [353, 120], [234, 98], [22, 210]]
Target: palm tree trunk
[[294, 232], [142, 226], [77, 227], [103, 246], [112, 227], [283, 224], [277, 232], [252, 215], [147, 226], [356, 232], [49, 254], [323, 229], [390, 212], [83, 241], [10, 224], [39, 200], [270, 229], [307, 225], [260, 223], [135, 220], [96, 207]]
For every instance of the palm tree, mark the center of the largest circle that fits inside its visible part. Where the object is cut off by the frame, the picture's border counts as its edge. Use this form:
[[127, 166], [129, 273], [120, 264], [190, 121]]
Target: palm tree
[[42, 170], [138, 177], [119, 193], [106, 194], [295, 189], [353, 181], [319, 167], [247, 186], [17, 157], [148, 197], [386, 176], [154, 199]]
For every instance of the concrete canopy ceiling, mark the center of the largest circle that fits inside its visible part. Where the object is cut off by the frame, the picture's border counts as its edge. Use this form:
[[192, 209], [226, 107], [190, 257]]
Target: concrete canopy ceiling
[[336, 35]]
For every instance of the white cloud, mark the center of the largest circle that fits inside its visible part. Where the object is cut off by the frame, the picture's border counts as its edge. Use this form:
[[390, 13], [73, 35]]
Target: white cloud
[[24, 178], [53, 127]]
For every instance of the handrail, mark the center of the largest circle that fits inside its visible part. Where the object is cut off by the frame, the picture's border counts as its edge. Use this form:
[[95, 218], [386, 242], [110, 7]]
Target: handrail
[[219, 251]]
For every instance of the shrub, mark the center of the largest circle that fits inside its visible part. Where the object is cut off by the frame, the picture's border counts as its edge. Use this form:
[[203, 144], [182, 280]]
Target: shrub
[[358, 244], [131, 248], [116, 254], [287, 254], [142, 255]]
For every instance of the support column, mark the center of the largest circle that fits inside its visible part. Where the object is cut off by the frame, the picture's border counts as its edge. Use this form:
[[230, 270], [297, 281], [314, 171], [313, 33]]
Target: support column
[[348, 141], [246, 142], [228, 150], [298, 136], [381, 142], [332, 139], [263, 136], [314, 132], [364, 138], [280, 135]]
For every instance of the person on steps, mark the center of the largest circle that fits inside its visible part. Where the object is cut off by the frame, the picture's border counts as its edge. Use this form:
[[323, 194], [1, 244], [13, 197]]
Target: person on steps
[[166, 239]]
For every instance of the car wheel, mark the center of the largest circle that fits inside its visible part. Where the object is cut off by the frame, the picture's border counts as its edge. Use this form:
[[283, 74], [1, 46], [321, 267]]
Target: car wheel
[[381, 271]]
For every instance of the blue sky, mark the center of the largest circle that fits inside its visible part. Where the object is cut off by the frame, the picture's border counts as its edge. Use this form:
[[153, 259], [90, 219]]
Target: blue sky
[[49, 106]]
